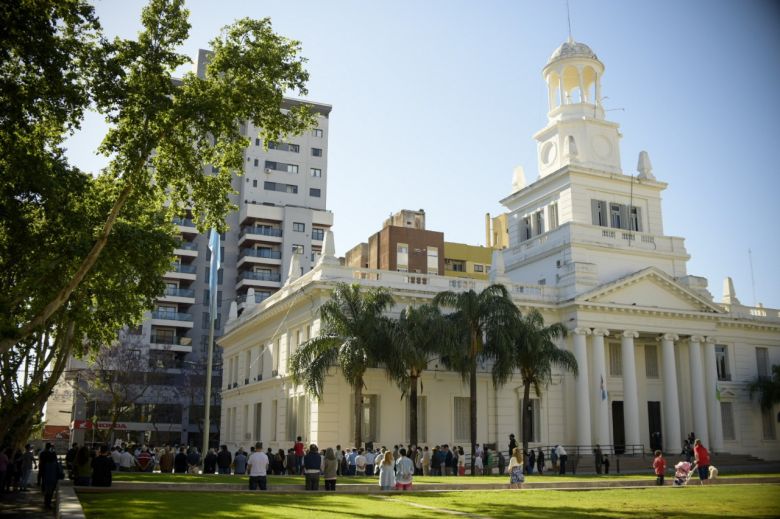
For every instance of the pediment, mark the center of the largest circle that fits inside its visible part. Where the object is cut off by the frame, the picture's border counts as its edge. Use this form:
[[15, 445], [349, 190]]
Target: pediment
[[649, 288]]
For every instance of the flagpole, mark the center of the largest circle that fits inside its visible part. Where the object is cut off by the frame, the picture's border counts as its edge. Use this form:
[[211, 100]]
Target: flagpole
[[213, 274]]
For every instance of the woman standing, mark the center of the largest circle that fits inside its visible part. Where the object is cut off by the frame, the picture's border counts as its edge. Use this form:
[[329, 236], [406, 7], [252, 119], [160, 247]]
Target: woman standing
[[329, 469], [516, 477], [387, 472], [702, 457], [82, 467]]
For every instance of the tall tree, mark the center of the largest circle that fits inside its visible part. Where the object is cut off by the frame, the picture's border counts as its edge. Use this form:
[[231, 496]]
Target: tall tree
[[162, 134], [353, 332], [82, 255], [482, 324], [533, 353], [418, 336], [767, 389]]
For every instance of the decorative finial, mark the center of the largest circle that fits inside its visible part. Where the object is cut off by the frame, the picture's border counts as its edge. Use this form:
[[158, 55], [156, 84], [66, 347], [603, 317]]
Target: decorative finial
[[518, 179], [568, 16], [295, 268], [233, 312], [644, 166], [250, 299], [729, 294]]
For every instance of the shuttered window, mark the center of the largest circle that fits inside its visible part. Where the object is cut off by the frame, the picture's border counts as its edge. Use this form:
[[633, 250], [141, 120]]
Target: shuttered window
[[762, 362], [462, 414], [651, 361], [727, 420], [599, 211], [615, 360]]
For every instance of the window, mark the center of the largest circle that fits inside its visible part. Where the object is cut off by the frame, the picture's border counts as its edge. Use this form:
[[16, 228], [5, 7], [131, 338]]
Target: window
[[538, 223], [275, 363], [254, 182], [552, 215], [402, 256], [258, 421], [454, 265], [727, 421], [535, 425], [422, 424], [297, 248], [278, 186], [274, 418], [294, 148], [315, 192], [284, 146], [317, 234], [722, 362], [317, 132], [297, 417], [257, 141], [433, 260], [316, 152], [525, 229], [299, 227], [281, 166], [635, 223], [651, 361], [257, 162], [207, 299], [768, 424], [616, 216], [462, 414], [370, 417], [316, 172], [762, 362], [479, 268], [599, 212], [615, 360]]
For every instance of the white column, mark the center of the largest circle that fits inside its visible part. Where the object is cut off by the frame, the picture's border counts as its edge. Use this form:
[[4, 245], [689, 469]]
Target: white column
[[630, 396], [581, 386], [713, 406], [698, 402], [601, 413], [673, 434]]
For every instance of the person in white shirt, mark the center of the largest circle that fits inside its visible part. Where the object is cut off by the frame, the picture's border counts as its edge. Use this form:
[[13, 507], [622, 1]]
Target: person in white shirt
[[126, 461], [516, 477], [360, 464], [116, 456], [404, 471], [257, 465], [561, 452]]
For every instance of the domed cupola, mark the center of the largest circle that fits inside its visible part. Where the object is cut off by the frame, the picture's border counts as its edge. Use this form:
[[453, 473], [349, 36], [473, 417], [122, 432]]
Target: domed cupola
[[576, 131]]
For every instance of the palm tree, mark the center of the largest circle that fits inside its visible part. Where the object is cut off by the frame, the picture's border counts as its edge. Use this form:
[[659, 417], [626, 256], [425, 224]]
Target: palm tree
[[481, 322], [768, 389], [352, 335], [533, 354], [418, 336]]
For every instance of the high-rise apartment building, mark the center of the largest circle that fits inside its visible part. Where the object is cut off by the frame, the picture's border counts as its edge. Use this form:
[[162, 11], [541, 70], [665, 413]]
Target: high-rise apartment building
[[281, 199]]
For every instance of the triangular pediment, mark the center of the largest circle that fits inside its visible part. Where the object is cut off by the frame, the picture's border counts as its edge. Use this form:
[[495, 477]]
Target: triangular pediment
[[649, 288]]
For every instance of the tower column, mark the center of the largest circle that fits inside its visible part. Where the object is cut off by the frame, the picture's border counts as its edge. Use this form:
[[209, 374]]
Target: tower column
[[582, 386], [601, 414], [697, 389], [630, 395], [672, 429], [711, 392]]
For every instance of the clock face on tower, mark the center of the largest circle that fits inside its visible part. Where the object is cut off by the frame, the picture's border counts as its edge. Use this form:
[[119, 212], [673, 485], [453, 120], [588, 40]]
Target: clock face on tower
[[549, 152]]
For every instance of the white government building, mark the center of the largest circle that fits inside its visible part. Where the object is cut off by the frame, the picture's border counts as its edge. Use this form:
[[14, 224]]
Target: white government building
[[588, 249]]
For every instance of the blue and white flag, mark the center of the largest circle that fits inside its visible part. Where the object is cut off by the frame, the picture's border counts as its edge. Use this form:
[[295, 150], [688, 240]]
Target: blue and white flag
[[213, 273], [603, 389]]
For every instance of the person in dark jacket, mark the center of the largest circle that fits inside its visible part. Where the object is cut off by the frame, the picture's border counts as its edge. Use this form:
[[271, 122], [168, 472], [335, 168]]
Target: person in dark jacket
[[180, 461], [224, 460], [102, 465], [51, 471], [210, 462], [193, 460], [312, 465]]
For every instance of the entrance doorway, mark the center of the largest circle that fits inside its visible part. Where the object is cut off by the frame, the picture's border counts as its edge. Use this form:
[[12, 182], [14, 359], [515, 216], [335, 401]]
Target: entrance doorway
[[618, 428], [654, 424]]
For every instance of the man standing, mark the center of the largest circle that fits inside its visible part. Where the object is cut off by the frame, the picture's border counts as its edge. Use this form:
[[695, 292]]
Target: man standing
[[561, 452], [312, 466], [298, 456], [239, 461], [224, 459], [258, 468], [404, 471], [180, 461], [512, 444], [599, 456]]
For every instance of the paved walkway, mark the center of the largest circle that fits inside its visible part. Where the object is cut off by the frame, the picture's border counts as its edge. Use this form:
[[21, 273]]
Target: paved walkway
[[24, 504]]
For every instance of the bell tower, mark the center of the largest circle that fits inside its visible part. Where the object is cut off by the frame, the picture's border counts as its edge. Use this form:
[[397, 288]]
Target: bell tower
[[576, 131]]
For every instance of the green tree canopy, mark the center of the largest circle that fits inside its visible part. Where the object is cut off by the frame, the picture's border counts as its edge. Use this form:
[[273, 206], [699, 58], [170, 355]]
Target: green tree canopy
[[767, 389]]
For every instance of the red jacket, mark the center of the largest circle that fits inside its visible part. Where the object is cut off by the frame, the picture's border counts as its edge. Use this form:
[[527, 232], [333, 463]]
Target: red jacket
[[702, 456], [659, 464]]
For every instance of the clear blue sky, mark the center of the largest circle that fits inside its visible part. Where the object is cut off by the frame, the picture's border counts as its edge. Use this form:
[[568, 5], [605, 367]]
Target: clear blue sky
[[434, 103]]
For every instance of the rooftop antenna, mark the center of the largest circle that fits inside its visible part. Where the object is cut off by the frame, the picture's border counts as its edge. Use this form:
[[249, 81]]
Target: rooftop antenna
[[568, 16], [752, 279]]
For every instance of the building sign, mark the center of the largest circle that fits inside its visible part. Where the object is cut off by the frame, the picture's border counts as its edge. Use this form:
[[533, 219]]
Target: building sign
[[124, 426]]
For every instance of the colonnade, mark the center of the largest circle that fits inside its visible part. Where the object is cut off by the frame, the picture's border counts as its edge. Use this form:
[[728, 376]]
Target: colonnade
[[590, 406]]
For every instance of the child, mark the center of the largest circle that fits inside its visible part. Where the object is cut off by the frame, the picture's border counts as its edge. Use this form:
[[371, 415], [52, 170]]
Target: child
[[659, 466]]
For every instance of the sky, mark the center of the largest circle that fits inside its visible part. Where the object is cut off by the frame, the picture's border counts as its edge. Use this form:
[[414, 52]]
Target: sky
[[435, 102]]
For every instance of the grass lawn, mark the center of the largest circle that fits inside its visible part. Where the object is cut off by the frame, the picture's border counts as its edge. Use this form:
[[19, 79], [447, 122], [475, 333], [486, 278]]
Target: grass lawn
[[143, 477], [690, 502]]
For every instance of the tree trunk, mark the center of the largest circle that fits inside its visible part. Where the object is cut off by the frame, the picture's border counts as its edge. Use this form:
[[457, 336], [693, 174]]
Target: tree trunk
[[473, 412], [359, 414], [413, 411], [527, 415]]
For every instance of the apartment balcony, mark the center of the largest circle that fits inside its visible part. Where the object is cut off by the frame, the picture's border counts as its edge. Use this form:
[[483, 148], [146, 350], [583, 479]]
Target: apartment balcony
[[168, 343], [178, 295], [186, 249], [251, 234], [185, 226], [181, 271], [174, 319], [259, 280], [259, 257], [259, 298]]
